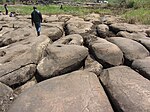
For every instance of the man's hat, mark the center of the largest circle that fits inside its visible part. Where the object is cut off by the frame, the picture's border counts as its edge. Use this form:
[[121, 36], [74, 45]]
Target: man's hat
[[34, 7], [5, 5]]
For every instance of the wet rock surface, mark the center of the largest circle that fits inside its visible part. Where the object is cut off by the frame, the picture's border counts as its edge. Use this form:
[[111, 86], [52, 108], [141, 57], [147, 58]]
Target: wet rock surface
[[60, 68]]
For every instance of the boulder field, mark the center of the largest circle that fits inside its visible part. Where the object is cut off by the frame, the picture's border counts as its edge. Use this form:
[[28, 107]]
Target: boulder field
[[88, 64]]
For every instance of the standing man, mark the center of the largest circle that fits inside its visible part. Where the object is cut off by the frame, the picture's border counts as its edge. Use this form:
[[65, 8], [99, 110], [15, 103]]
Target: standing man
[[6, 10], [36, 18]]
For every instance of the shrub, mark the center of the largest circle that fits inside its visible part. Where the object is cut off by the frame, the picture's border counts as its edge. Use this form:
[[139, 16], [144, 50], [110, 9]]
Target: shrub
[[130, 4], [140, 15]]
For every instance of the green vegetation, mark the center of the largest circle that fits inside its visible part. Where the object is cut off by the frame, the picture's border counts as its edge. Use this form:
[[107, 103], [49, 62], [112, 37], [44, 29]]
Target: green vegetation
[[134, 11], [130, 3], [138, 16], [55, 9], [140, 3]]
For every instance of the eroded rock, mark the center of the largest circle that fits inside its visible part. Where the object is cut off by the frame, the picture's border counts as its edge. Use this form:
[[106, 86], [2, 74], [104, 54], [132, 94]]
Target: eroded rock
[[74, 39], [109, 19], [54, 33], [145, 42], [102, 30], [94, 18], [131, 49], [116, 27], [108, 54], [6, 94], [23, 58], [52, 18], [78, 27], [60, 59], [17, 77], [134, 36], [92, 65], [17, 35]]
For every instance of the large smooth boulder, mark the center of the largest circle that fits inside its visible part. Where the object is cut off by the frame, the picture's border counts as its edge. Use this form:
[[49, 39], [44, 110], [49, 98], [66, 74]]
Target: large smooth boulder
[[64, 17], [146, 29], [75, 18], [102, 30], [142, 66], [74, 39], [17, 35], [5, 30], [128, 90], [2, 23], [27, 50], [24, 59], [52, 18], [7, 18], [131, 49], [22, 75], [139, 37], [145, 42], [64, 94], [53, 32], [90, 39], [134, 36], [59, 25], [94, 18], [109, 19], [38, 48], [18, 24], [108, 54], [60, 59], [116, 27], [78, 27], [26, 18], [12, 52], [5, 95]]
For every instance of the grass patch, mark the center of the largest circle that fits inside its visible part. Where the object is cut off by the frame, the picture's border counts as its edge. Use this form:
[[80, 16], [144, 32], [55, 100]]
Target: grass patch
[[131, 3], [141, 15], [55, 9]]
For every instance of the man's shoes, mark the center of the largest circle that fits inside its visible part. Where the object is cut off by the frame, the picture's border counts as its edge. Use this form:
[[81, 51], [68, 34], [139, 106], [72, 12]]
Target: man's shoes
[[38, 33]]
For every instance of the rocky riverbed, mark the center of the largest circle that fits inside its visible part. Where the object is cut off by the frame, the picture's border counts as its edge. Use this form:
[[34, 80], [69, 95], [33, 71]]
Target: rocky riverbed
[[90, 64]]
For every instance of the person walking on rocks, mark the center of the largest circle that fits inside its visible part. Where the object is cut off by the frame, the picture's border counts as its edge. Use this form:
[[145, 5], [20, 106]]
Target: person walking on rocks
[[36, 18], [6, 10]]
